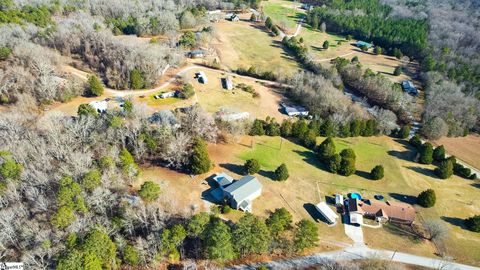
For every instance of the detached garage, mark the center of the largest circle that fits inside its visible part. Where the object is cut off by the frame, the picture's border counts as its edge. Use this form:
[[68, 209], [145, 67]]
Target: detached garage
[[327, 213]]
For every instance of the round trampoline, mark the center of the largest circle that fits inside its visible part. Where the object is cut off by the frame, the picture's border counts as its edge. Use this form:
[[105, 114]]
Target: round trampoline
[[355, 195]]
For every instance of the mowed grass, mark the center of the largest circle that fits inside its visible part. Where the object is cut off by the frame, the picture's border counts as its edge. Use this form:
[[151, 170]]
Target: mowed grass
[[403, 181], [244, 44], [283, 13]]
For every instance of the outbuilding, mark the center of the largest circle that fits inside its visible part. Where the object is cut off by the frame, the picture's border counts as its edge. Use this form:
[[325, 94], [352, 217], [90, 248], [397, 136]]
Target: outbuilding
[[327, 212], [99, 106], [241, 193]]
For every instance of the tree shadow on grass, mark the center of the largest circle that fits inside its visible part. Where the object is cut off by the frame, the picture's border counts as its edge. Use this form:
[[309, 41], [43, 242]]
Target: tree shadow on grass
[[403, 231], [424, 171], [235, 168], [312, 211], [455, 221], [403, 155], [363, 174], [267, 174], [312, 159], [404, 198], [477, 185]]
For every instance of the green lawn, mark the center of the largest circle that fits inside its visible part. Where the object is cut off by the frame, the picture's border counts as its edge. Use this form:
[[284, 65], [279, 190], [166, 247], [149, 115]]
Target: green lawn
[[161, 101], [404, 179], [283, 13]]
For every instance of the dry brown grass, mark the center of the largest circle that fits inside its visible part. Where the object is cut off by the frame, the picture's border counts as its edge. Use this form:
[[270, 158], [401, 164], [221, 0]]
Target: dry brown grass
[[465, 148]]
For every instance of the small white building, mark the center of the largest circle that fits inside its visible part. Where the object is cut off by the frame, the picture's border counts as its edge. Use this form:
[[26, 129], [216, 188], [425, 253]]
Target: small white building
[[99, 106], [327, 212], [338, 199], [228, 83], [202, 78], [241, 193]]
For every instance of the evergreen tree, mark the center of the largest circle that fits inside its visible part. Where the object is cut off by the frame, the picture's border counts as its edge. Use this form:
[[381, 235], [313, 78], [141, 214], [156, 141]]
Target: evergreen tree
[[279, 221], [439, 153], [149, 191], [218, 241], [345, 131], [281, 173], [187, 91], [286, 128], [356, 127], [197, 223], [444, 169], [130, 255], [427, 198], [347, 166], [325, 45], [273, 128], [309, 139], [348, 153], [10, 169], [251, 166], [128, 107], [86, 109], [326, 129], [99, 243], [92, 180], [377, 172], [251, 236], [473, 223], [333, 164], [326, 149], [299, 128], [404, 132], [136, 79], [305, 236], [397, 71], [200, 160], [257, 128], [127, 162], [268, 23], [377, 50], [426, 153], [95, 87], [370, 128], [415, 141]]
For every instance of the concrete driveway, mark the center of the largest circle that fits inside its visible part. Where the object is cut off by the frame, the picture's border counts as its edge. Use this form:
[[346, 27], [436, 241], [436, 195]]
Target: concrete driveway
[[355, 233]]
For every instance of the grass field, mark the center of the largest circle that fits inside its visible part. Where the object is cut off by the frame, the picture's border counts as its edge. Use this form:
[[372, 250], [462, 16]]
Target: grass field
[[465, 148], [245, 44], [283, 13]]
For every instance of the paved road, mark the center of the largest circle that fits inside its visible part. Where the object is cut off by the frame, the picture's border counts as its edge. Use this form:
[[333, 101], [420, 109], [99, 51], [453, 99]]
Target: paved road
[[355, 253]]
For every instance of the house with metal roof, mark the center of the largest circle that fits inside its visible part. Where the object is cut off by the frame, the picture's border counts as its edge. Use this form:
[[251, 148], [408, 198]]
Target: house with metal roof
[[241, 193], [99, 106], [291, 110], [327, 212], [196, 54]]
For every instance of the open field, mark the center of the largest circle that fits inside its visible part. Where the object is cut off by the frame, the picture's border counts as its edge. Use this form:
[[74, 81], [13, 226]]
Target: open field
[[283, 13], [245, 44], [309, 183], [465, 148]]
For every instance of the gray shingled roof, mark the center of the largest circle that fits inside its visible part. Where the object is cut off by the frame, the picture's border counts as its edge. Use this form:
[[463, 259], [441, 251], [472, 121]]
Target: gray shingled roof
[[241, 189]]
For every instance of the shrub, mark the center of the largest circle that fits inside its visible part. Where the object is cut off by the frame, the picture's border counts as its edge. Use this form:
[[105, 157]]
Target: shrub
[[377, 50], [377, 172], [136, 79], [63, 217], [461, 171], [251, 166], [149, 191], [4, 53], [200, 160], [226, 209], [127, 162], [86, 109], [275, 30], [444, 169], [95, 87], [281, 173], [427, 198], [348, 153], [354, 59], [326, 44], [92, 180], [130, 255], [286, 128], [10, 169], [439, 153], [426, 153], [309, 139], [257, 128], [473, 223]]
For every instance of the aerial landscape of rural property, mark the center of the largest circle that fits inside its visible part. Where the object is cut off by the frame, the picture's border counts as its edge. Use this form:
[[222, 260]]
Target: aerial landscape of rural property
[[240, 134]]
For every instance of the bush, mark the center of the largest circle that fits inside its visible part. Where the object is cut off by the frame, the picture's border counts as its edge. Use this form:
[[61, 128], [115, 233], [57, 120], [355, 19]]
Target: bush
[[200, 160], [439, 153], [10, 169], [427, 198], [444, 169], [5, 53], [127, 162], [377, 172], [377, 50], [404, 132], [149, 191], [348, 153], [473, 223], [281, 173], [187, 40], [462, 171], [130, 255], [426, 153], [286, 128], [136, 79], [86, 109], [92, 180], [257, 128], [275, 30], [251, 166], [95, 87], [326, 44], [226, 209]]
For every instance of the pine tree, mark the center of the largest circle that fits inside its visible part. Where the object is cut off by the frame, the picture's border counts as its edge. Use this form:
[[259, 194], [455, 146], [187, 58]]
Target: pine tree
[[136, 79], [427, 198], [281, 173], [257, 128], [404, 132], [305, 236], [333, 164], [426, 153], [444, 169], [377, 172], [149, 191], [326, 129], [326, 149], [251, 166], [286, 128], [347, 166], [325, 45], [200, 160], [439, 153]]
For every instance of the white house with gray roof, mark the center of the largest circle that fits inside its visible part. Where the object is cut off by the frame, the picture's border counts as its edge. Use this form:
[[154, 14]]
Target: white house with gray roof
[[241, 193]]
